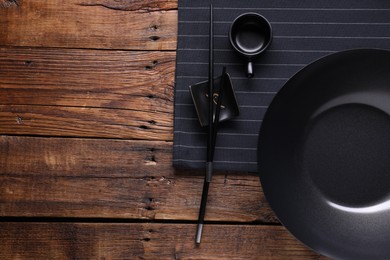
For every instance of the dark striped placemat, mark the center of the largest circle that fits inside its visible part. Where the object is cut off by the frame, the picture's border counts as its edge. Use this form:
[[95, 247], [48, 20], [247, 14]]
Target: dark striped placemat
[[303, 32]]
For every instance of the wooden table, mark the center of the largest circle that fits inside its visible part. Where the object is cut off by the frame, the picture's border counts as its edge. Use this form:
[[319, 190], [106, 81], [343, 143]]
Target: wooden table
[[86, 122]]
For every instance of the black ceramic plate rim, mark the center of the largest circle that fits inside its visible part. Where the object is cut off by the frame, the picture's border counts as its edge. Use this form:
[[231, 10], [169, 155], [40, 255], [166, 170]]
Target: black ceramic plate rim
[[282, 93]]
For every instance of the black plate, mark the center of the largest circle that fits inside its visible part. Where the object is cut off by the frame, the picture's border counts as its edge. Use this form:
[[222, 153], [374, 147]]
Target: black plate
[[324, 155]]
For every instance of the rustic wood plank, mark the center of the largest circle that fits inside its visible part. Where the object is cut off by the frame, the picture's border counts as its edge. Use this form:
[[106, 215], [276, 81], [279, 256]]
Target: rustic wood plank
[[87, 78], [85, 122], [147, 241], [100, 24], [56, 177], [89, 93]]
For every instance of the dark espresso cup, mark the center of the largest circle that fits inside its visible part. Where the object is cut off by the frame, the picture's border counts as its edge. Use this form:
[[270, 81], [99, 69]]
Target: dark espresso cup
[[250, 34]]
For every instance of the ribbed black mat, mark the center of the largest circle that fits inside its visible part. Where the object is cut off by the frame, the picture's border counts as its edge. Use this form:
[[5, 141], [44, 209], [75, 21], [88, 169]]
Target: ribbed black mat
[[303, 32]]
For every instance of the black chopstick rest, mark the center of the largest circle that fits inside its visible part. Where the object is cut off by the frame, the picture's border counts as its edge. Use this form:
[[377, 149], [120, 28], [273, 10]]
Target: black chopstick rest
[[200, 98]]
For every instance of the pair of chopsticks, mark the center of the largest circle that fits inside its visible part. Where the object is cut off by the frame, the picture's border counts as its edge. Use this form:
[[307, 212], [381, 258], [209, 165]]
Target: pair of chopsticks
[[212, 129]]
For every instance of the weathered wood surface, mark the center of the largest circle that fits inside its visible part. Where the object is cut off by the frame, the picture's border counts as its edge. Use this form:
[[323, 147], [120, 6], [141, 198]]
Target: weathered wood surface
[[86, 120], [136, 80], [146, 241], [87, 93], [98, 24], [116, 179]]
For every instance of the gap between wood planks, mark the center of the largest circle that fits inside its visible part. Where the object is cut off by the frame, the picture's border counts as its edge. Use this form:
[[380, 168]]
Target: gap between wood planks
[[126, 221], [129, 7], [27, 47]]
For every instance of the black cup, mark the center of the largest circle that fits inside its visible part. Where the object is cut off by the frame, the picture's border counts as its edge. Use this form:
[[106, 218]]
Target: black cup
[[250, 34]]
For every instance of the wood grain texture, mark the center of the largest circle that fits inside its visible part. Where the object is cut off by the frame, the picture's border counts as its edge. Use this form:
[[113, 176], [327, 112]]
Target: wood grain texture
[[85, 122], [99, 24], [87, 93], [147, 241], [136, 80], [55, 177]]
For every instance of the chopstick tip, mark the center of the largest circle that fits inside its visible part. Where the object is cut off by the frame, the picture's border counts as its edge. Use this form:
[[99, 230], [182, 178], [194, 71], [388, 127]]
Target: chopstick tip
[[199, 233]]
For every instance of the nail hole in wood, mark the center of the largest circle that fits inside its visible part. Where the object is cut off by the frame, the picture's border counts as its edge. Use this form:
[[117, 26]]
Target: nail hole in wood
[[154, 38], [9, 3], [153, 28], [149, 208], [19, 120]]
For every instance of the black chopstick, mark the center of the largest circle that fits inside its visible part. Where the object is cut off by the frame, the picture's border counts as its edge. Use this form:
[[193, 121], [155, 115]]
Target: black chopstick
[[218, 110], [211, 99], [210, 150], [206, 183]]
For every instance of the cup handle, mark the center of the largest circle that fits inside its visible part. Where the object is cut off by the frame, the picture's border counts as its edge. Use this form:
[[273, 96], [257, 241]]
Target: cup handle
[[249, 70]]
